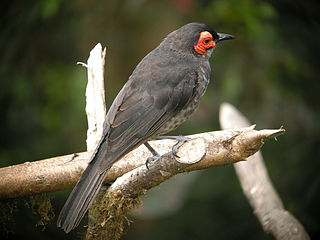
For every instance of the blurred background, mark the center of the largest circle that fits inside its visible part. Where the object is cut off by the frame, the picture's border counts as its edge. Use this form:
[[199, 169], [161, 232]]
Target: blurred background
[[270, 72]]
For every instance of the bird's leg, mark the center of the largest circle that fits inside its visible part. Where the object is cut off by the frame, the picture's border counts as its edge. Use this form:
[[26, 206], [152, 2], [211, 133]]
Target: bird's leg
[[180, 141], [155, 154]]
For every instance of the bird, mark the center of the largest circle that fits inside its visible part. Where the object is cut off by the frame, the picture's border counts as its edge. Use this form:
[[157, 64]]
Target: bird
[[162, 92]]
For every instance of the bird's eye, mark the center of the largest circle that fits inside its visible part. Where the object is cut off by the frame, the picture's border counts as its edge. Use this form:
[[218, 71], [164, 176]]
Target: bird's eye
[[207, 41]]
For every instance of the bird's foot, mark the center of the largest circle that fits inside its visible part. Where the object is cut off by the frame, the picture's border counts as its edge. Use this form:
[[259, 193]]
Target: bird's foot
[[151, 159], [155, 154], [180, 141]]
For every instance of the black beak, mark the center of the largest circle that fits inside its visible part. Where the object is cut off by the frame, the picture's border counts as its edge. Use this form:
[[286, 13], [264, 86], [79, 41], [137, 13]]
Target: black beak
[[224, 36]]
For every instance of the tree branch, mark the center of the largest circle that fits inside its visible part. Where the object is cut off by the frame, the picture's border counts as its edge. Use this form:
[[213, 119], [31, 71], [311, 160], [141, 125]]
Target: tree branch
[[258, 188], [58, 173], [95, 98]]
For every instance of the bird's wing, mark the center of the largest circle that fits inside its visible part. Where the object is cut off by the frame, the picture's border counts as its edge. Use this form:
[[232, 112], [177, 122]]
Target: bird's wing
[[139, 110], [144, 109]]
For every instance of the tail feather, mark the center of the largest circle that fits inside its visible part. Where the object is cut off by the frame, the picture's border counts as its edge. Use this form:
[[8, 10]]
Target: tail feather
[[90, 199], [84, 192]]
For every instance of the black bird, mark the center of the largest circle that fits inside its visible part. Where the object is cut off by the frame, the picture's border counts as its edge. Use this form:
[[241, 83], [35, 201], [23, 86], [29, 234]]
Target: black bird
[[162, 92]]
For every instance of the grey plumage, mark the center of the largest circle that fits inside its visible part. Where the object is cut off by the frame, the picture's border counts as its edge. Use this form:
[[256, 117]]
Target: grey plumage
[[163, 90]]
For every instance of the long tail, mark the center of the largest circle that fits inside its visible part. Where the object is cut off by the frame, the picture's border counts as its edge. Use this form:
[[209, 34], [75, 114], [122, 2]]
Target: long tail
[[84, 192]]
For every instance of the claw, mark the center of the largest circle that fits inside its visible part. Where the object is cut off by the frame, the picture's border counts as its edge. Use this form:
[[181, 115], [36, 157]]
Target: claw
[[180, 141], [151, 159], [155, 154]]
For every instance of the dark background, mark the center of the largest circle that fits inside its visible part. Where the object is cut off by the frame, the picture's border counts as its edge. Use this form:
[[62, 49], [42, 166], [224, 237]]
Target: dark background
[[270, 72]]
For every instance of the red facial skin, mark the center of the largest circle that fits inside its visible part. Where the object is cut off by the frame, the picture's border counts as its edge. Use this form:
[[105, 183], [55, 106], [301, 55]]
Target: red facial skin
[[205, 42]]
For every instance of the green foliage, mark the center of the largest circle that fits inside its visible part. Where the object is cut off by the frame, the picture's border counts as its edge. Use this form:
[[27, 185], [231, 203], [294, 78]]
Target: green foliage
[[49, 8]]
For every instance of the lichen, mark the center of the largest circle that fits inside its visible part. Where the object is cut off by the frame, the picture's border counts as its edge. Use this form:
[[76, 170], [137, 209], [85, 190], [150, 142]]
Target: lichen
[[107, 217], [7, 209], [41, 204]]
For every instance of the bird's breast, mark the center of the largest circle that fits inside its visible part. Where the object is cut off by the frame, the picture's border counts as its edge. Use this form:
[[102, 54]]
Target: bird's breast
[[190, 107]]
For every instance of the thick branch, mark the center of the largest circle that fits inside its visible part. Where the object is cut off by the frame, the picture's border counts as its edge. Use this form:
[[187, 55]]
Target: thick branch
[[204, 151], [218, 148], [258, 188]]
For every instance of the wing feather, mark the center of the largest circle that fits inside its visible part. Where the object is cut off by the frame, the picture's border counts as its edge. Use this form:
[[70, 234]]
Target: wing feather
[[148, 112]]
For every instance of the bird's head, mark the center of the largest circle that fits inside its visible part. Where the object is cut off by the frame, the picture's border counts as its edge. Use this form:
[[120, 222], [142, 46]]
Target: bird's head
[[196, 38]]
